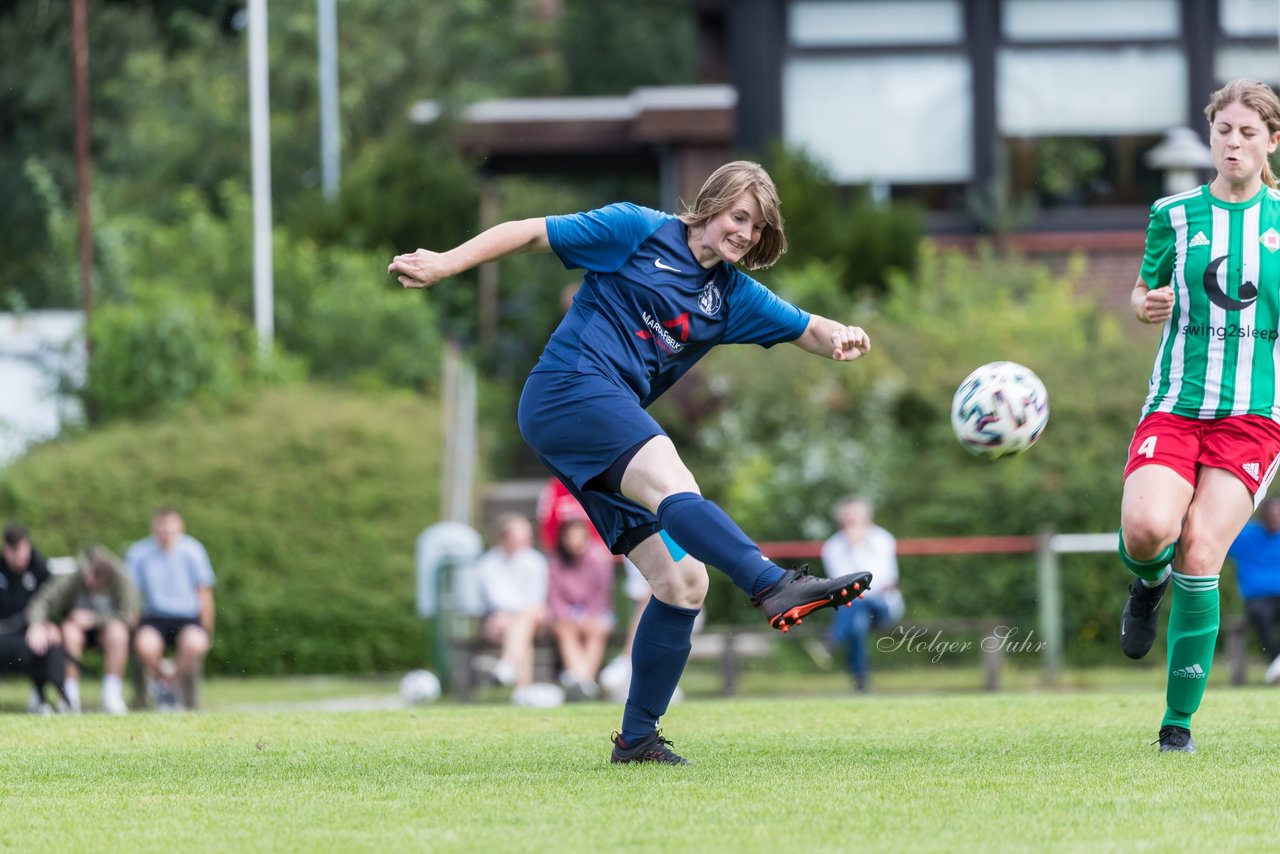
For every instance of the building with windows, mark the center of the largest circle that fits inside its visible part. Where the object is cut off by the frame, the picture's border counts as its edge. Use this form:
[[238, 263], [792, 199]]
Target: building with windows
[[1050, 105], [1031, 119]]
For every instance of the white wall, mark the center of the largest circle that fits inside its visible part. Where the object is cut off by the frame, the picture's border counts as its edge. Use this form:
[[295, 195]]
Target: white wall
[[35, 348]]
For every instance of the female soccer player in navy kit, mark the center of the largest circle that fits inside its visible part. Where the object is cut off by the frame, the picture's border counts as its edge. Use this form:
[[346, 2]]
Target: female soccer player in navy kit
[[658, 293]]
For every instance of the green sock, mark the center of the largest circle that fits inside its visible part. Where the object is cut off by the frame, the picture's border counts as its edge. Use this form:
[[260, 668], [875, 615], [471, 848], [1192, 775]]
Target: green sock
[[1193, 631], [1148, 570]]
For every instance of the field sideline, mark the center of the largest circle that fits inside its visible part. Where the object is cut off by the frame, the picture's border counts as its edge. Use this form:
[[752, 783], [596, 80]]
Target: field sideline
[[972, 772]]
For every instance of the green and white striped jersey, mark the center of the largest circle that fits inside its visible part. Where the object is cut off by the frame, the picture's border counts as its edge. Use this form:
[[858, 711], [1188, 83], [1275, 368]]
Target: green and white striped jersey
[[1218, 352]]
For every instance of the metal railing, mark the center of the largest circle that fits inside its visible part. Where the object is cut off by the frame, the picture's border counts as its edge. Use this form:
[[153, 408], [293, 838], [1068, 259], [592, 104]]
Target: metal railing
[[1046, 546]]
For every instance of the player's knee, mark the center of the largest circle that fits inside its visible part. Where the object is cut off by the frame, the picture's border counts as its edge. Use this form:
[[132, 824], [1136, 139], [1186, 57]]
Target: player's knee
[[1199, 557], [1145, 536], [695, 584]]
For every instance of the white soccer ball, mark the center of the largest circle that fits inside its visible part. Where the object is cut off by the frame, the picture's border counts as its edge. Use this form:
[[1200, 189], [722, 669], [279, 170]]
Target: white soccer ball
[[419, 687], [1000, 410]]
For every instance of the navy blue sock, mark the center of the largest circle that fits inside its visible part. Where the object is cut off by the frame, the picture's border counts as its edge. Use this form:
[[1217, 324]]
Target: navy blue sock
[[658, 655], [706, 532]]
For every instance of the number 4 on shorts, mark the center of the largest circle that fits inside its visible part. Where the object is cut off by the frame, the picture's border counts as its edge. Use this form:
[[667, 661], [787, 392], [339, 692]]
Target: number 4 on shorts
[[1148, 447]]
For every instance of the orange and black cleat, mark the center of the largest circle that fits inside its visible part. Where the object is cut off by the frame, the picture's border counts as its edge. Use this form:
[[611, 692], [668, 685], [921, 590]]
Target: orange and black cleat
[[798, 594]]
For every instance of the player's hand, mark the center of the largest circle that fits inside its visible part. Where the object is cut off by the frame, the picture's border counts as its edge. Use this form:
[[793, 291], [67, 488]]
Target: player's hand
[[420, 269], [38, 638], [1156, 305], [849, 343]]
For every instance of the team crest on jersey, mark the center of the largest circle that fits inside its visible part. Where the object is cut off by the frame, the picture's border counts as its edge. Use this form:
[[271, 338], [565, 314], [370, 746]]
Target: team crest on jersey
[[710, 300], [1270, 239], [1253, 470]]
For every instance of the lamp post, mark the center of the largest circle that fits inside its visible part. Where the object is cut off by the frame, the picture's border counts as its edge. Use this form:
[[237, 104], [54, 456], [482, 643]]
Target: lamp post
[[1181, 155]]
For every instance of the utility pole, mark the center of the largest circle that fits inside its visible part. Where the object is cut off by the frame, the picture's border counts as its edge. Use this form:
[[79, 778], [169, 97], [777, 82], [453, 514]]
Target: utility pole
[[260, 145], [80, 64], [327, 51]]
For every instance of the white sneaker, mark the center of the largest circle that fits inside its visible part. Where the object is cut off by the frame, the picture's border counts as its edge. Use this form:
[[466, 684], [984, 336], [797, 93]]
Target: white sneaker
[[539, 695], [1273, 671], [615, 679], [503, 672], [113, 704], [71, 688]]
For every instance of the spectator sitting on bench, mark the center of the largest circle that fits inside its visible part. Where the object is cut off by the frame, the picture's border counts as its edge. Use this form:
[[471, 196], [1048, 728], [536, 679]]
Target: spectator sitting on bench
[[95, 605], [513, 584], [862, 546], [23, 650], [579, 602], [172, 573], [1256, 551], [556, 506]]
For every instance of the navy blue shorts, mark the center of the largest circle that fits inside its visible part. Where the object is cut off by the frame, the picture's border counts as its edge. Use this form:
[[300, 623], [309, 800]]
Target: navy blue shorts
[[578, 425]]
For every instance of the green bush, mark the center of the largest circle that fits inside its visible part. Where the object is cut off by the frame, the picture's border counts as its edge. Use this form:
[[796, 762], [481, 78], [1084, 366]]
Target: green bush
[[308, 500], [335, 307], [163, 349]]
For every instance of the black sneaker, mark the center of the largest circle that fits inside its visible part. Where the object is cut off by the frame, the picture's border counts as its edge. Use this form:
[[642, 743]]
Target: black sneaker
[[1138, 622], [1176, 739], [798, 594], [655, 748]]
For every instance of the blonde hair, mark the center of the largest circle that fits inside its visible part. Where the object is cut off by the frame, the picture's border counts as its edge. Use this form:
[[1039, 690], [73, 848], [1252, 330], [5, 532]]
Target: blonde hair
[[1257, 96], [725, 186]]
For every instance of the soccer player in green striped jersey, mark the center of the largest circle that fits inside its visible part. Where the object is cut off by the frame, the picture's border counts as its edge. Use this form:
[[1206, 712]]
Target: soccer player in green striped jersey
[[1208, 442]]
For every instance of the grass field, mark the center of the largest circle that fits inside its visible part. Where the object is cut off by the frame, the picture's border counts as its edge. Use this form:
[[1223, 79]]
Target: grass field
[[1027, 770]]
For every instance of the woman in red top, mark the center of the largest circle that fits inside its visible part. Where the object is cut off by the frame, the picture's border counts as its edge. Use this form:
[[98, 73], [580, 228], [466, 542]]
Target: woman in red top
[[580, 606]]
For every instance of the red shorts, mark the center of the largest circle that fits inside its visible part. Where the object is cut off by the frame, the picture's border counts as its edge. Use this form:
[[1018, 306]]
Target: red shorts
[[1248, 446]]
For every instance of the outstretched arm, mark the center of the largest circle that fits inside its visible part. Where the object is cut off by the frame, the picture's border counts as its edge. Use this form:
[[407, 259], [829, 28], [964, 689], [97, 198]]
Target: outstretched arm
[[423, 268], [823, 337]]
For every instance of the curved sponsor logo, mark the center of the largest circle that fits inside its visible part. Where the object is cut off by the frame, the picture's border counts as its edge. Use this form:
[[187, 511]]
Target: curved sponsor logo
[[1219, 297]]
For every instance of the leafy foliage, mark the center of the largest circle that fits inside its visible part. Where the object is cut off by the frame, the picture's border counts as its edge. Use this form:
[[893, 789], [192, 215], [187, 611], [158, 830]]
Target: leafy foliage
[[162, 350], [794, 433], [860, 244]]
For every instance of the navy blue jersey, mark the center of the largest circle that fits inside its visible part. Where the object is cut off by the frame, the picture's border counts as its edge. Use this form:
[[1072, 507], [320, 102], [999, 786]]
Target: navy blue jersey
[[647, 310]]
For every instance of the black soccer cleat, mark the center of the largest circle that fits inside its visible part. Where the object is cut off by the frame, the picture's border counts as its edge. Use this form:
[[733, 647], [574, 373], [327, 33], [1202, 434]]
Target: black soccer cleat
[[1141, 613], [798, 594], [1175, 739], [655, 748]]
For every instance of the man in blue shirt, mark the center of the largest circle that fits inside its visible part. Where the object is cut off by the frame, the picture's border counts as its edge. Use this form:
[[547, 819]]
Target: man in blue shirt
[[1257, 555], [172, 573], [659, 291]]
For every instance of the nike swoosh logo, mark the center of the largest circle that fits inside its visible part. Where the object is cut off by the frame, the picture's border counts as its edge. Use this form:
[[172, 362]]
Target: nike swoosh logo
[[663, 265]]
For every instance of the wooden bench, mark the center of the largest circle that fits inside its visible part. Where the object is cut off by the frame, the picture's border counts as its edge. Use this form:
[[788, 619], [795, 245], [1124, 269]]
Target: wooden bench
[[468, 650], [962, 629], [731, 645]]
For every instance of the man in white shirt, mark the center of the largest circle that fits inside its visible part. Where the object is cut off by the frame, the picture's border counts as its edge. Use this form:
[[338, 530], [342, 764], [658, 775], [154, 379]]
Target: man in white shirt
[[513, 583], [862, 546]]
